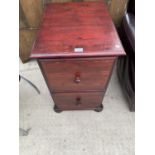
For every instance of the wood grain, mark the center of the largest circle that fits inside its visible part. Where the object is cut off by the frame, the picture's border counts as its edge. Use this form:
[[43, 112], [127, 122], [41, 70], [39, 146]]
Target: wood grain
[[116, 9], [78, 101], [58, 1], [77, 80], [22, 19], [30, 14], [62, 74], [86, 24], [26, 39], [32, 10]]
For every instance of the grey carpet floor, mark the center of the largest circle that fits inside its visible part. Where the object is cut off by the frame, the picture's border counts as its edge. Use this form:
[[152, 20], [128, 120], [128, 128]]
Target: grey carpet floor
[[110, 132]]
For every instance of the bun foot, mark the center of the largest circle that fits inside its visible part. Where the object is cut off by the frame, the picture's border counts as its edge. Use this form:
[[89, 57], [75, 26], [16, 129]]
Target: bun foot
[[99, 108], [56, 109]]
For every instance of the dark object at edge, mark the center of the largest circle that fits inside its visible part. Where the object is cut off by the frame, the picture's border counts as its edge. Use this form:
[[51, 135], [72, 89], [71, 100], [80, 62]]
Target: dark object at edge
[[126, 64]]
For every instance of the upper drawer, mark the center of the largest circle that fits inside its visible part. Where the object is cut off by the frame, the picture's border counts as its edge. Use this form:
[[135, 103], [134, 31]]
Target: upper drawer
[[76, 74]]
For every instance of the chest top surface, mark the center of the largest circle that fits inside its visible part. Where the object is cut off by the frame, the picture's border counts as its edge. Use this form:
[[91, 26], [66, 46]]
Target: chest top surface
[[76, 30]]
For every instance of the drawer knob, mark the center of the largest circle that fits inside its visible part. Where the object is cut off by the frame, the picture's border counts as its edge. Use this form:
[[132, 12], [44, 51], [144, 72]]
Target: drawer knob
[[77, 78], [78, 101]]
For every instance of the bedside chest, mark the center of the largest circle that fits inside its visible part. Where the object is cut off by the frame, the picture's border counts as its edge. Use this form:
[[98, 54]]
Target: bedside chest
[[76, 48]]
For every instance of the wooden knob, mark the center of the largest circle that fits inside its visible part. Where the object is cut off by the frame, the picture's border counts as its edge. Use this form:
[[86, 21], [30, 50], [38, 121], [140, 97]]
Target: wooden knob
[[77, 77], [78, 101]]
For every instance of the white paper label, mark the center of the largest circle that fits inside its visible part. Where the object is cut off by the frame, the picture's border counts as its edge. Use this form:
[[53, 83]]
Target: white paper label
[[78, 49]]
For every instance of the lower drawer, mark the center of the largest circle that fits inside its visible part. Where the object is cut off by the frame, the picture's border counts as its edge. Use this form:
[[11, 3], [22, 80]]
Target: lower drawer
[[78, 101]]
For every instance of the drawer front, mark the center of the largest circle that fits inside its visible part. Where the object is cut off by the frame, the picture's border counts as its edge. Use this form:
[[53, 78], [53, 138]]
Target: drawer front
[[76, 74], [78, 101]]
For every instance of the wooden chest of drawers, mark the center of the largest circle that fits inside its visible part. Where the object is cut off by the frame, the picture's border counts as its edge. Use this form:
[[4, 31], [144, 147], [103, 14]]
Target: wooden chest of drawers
[[76, 48]]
